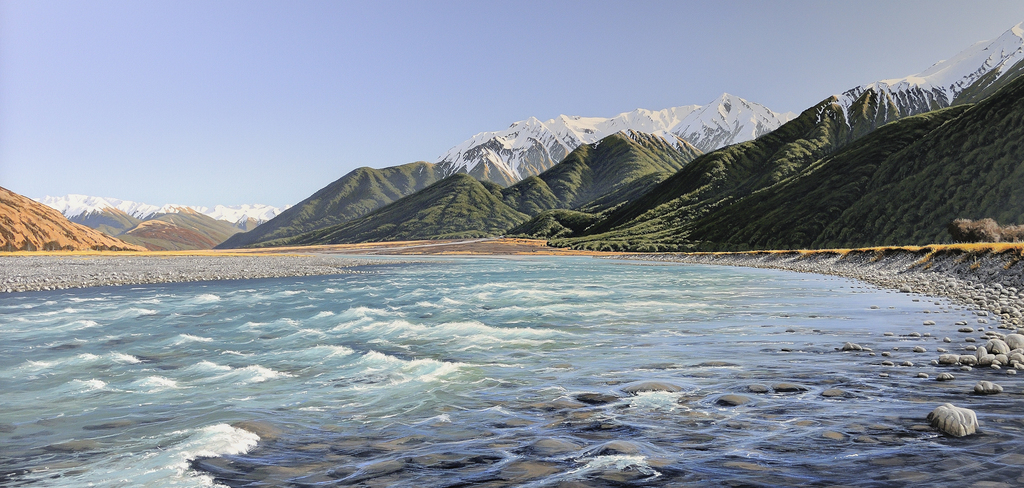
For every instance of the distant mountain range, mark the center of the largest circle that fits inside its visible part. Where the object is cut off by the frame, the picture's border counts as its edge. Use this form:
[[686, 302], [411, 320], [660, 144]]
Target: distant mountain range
[[31, 226], [160, 228], [751, 193], [529, 147]]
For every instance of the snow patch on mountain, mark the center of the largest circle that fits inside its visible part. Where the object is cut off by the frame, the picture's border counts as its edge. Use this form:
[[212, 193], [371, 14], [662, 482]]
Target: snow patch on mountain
[[939, 85], [530, 146], [74, 205]]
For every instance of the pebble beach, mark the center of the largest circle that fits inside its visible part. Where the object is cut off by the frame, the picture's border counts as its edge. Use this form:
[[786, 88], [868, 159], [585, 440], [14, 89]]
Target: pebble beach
[[47, 273]]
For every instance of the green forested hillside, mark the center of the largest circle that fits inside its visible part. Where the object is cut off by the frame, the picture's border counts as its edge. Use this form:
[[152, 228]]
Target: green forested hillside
[[657, 219], [459, 206], [356, 194], [593, 171], [597, 176], [806, 186]]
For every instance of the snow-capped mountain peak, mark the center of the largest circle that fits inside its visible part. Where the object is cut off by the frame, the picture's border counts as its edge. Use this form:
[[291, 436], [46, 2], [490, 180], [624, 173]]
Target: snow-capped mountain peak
[[74, 205], [941, 84], [530, 146]]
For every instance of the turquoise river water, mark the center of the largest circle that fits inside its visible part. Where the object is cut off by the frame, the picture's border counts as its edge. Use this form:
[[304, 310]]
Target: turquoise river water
[[491, 372]]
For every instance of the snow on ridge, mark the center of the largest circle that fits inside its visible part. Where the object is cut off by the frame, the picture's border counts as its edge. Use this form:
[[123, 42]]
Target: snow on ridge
[[530, 146], [942, 82], [74, 205]]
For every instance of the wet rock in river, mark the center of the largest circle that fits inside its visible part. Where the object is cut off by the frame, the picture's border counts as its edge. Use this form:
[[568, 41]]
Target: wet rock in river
[[616, 448], [788, 388], [553, 447], [596, 398], [732, 400], [1014, 341], [836, 436], [645, 386], [987, 388], [74, 446], [953, 420], [833, 393], [849, 346], [997, 346], [756, 388], [949, 358], [945, 377]]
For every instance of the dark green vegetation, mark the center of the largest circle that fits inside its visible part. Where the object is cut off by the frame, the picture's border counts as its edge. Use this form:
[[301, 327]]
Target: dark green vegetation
[[459, 206], [593, 178], [351, 196], [804, 187]]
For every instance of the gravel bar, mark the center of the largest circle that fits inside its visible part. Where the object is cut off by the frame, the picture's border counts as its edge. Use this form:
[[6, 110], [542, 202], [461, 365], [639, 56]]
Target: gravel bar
[[43, 273], [990, 283]]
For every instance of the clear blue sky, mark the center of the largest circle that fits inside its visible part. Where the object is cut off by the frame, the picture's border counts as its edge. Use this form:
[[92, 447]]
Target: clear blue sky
[[229, 102]]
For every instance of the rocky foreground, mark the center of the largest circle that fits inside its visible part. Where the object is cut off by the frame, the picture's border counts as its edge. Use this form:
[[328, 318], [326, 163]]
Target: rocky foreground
[[989, 282], [42, 273]]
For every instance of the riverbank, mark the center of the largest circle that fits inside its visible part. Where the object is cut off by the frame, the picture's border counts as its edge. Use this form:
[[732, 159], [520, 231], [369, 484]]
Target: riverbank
[[989, 277], [69, 270]]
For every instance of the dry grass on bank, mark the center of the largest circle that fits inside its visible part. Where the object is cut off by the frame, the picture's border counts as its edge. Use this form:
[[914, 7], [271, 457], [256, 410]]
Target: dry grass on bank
[[509, 247]]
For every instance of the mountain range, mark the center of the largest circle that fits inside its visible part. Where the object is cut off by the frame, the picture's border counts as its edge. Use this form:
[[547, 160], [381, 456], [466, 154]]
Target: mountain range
[[698, 204], [161, 228], [31, 226], [529, 147], [889, 162]]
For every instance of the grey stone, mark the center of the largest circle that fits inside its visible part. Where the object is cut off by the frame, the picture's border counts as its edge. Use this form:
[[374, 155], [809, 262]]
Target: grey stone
[[953, 420], [987, 388], [645, 386], [732, 400]]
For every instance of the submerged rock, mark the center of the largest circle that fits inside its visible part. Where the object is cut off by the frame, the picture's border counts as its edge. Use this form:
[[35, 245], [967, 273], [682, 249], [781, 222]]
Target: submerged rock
[[953, 420], [732, 400], [645, 386], [553, 447], [788, 388], [596, 398], [757, 388], [833, 393]]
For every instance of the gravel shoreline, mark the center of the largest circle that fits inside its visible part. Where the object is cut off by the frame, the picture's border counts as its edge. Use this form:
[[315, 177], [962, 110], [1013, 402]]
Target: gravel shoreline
[[45, 273], [992, 283]]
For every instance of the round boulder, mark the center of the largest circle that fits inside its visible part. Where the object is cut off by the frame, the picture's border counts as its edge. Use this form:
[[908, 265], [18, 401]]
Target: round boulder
[[997, 346], [953, 420], [1015, 341]]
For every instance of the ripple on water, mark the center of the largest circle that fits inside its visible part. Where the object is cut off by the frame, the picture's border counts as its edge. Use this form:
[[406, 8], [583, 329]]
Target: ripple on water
[[407, 379]]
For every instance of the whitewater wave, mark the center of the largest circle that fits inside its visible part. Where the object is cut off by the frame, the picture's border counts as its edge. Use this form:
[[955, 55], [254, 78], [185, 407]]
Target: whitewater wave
[[214, 373], [206, 298]]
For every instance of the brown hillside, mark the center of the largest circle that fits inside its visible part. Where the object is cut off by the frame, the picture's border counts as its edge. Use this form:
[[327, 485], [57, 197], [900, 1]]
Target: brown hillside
[[27, 225], [157, 235]]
